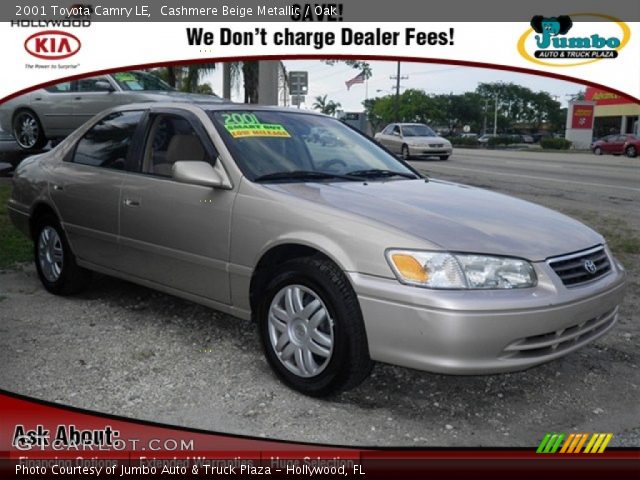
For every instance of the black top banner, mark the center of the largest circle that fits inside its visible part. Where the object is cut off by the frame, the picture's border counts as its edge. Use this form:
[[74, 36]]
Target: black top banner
[[40, 12]]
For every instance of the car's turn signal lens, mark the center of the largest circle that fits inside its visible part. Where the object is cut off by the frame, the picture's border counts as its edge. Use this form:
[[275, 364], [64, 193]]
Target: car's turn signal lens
[[409, 268]]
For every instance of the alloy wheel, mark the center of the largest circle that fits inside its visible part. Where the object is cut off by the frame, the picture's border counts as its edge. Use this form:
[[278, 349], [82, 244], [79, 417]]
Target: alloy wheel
[[50, 253], [27, 130]]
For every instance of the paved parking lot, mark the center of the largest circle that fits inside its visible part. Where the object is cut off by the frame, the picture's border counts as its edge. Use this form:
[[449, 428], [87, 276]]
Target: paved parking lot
[[127, 350]]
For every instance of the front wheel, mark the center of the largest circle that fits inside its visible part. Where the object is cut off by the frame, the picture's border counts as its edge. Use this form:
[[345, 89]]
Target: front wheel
[[55, 262], [597, 151], [631, 151], [27, 131], [311, 328]]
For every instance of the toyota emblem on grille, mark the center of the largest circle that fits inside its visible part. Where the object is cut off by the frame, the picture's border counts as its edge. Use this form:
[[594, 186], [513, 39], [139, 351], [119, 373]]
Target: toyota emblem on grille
[[590, 267]]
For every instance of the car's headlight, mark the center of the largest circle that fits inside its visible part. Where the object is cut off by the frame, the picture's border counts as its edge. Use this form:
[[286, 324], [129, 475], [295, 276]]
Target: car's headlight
[[460, 271]]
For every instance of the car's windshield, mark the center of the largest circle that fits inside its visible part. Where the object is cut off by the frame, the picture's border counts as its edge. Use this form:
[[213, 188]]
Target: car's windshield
[[140, 81], [417, 131], [265, 143]]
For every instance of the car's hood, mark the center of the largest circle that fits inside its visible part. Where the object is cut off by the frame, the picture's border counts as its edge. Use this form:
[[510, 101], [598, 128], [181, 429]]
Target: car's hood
[[414, 140], [455, 217], [173, 96]]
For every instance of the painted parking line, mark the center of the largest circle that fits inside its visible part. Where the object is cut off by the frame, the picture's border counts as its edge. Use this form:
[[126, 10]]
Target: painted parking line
[[546, 179]]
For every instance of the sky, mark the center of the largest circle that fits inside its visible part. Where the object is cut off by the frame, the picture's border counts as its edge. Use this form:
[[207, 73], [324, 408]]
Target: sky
[[432, 78]]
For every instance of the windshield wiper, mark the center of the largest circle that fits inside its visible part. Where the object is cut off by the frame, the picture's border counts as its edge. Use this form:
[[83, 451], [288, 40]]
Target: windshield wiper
[[304, 175], [376, 172]]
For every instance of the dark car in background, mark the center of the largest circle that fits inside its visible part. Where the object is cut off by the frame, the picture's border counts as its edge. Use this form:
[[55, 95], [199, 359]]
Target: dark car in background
[[55, 111], [617, 144]]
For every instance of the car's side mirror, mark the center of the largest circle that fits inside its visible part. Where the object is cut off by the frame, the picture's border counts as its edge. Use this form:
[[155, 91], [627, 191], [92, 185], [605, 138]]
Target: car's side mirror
[[197, 173], [103, 86]]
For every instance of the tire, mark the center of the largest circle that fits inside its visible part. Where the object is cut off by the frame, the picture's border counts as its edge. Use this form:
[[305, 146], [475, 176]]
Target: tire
[[631, 151], [597, 151], [404, 152], [444, 157], [288, 339], [55, 262], [27, 131]]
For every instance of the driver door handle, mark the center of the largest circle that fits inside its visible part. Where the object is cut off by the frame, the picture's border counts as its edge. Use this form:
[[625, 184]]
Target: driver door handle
[[131, 203]]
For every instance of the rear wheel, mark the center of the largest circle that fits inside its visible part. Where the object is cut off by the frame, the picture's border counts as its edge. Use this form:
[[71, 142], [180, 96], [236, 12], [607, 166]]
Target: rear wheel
[[311, 328], [55, 262], [597, 151], [406, 155], [631, 151], [27, 130]]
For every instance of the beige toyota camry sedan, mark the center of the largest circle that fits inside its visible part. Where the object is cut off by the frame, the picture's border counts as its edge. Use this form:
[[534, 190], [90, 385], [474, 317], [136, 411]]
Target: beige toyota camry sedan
[[341, 253]]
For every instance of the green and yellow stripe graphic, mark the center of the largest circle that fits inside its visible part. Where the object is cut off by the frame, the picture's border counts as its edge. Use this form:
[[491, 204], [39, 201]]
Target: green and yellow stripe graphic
[[574, 443]]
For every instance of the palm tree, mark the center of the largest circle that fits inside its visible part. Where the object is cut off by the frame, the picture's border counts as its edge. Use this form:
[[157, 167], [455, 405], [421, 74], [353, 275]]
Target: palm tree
[[185, 78], [328, 107]]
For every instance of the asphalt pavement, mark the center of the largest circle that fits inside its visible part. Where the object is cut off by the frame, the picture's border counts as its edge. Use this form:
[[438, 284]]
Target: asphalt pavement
[[127, 350]]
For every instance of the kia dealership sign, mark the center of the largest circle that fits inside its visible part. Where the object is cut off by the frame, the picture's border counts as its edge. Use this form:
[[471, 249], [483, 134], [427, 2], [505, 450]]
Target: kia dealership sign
[[52, 45]]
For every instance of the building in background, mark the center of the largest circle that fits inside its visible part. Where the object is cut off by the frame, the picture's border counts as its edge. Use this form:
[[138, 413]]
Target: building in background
[[613, 113]]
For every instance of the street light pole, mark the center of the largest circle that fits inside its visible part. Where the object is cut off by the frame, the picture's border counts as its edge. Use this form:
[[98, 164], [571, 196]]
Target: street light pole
[[486, 109]]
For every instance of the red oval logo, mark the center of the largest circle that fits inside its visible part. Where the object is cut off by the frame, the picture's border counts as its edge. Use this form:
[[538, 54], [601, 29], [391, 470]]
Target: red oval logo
[[52, 45]]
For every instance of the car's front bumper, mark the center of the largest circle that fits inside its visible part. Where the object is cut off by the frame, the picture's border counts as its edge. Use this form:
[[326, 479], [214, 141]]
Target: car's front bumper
[[426, 151], [481, 332]]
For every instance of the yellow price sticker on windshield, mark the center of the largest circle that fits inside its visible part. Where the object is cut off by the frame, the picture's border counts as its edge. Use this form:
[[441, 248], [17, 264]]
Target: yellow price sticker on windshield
[[245, 125], [125, 77], [257, 130]]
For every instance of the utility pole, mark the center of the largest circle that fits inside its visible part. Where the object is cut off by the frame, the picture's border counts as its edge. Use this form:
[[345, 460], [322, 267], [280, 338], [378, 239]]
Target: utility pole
[[397, 78], [495, 118]]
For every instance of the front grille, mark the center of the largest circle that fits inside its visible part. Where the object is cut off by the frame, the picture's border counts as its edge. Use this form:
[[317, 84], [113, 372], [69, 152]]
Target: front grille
[[436, 145], [560, 340], [581, 267]]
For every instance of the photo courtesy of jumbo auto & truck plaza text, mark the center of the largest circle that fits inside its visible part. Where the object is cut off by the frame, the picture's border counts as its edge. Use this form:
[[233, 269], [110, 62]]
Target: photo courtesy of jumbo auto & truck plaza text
[[352, 238]]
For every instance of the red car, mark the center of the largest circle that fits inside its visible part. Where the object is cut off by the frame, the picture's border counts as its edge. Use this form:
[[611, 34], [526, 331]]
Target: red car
[[617, 145]]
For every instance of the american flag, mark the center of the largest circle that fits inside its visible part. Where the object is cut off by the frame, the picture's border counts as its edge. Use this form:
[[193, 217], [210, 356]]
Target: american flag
[[360, 78]]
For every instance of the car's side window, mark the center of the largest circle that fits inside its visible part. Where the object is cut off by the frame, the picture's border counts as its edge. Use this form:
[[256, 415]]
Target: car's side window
[[171, 139], [396, 130], [63, 87], [91, 84], [107, 143]]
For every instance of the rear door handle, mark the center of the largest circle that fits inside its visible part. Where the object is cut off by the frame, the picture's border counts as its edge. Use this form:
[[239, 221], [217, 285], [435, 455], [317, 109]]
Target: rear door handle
[[58, 187], [131, 203]]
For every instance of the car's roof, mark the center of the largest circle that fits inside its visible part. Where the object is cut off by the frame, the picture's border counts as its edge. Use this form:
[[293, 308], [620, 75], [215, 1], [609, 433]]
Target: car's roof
[[212, 105]]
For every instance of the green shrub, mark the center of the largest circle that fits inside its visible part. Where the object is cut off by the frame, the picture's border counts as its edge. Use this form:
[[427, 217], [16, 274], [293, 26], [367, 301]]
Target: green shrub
[[464, 141], [550, 143], [502, 140]]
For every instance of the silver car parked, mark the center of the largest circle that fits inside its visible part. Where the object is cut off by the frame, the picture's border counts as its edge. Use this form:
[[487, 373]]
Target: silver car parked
[[341, 253], [414, 140], [54, 112]]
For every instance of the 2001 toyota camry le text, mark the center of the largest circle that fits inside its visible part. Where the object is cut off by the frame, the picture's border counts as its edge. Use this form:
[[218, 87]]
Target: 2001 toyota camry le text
[[341, 253]]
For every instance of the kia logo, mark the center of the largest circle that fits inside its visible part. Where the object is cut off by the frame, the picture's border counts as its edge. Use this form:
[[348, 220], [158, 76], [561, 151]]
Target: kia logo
[[590, 267], [52, 45]]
